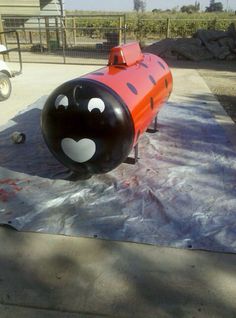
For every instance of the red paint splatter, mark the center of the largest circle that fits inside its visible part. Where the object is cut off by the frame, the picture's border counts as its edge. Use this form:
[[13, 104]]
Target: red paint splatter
[[132, 182], [14, 188], [4, 195]]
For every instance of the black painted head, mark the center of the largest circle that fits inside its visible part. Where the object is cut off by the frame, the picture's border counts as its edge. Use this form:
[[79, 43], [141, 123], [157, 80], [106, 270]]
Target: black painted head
[[87, 126]]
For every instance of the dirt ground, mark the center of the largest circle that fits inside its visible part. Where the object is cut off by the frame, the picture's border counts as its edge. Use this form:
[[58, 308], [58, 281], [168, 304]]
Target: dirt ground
[[220, 76], [222, 82]]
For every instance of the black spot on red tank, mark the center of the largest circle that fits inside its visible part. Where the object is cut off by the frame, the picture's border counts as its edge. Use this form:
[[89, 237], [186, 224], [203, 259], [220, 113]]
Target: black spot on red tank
[[162, 65], [132, 88], [166, 83], [98, 73], [151, 103], [144, 65], [152, 80]]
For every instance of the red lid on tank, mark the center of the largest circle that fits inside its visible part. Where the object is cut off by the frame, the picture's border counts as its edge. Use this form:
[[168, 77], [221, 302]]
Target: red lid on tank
[[127, 54]]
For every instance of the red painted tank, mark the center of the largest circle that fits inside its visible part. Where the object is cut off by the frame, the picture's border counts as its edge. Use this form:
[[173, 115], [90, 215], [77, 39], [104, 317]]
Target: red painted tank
[[91, 123], [143, 81]]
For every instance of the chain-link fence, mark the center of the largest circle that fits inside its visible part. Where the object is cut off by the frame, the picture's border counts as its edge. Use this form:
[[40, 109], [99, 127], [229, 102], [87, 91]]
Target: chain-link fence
[[71, 39], [87, 39]]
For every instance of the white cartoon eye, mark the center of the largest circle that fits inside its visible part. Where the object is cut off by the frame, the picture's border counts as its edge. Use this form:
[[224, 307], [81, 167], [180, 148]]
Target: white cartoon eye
[[96, 103], [61, 100]]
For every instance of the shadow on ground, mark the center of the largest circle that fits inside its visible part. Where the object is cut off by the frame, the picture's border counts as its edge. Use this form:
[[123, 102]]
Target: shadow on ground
[[32, 157], [105, 279]]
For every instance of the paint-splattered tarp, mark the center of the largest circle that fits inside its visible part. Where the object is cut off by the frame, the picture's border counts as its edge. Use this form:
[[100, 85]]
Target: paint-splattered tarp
[[182, 193]]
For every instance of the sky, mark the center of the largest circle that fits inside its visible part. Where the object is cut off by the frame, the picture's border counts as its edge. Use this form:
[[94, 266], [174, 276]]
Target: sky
[[127, 5]]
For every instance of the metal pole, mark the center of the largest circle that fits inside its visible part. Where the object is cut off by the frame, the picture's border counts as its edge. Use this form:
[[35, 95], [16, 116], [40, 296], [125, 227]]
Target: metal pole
[[57, 33], [3, 40], [61, 8], [47, 33], [2, 37], [63, 34], [40, 36], [30, 37], [19, 51], [63, 40]]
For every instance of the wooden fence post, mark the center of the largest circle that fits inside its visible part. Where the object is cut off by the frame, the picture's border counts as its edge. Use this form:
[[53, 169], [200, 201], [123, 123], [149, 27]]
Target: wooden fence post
[[120, 30], [168, 28], [125, 27], [215, 24]]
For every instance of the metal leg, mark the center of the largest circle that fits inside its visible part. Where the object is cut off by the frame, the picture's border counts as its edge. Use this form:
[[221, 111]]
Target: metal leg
[[155, 129], [131, 160], [155, 123], [136, 153]]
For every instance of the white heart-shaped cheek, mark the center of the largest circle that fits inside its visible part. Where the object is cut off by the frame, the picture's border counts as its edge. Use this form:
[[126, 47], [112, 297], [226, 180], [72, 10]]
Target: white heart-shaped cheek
[[79, 151]]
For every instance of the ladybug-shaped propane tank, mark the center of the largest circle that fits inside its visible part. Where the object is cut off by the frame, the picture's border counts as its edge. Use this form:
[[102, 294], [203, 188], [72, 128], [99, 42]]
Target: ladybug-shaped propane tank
[[91, 123]]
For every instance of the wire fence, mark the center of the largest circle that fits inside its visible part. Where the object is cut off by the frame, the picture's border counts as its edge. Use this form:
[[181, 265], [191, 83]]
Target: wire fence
[[87, 39], [73, 39]]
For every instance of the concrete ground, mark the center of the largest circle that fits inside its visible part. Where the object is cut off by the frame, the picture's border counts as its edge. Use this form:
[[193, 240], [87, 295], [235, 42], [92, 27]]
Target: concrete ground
[[37, 80], [55, 276]]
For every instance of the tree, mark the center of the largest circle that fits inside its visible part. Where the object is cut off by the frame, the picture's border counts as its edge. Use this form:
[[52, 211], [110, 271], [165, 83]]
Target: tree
[[175, 9], [218, 6], [197, 6], [215, 6], [191, 8], [139, 5], [156, 11], [143, 6]]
